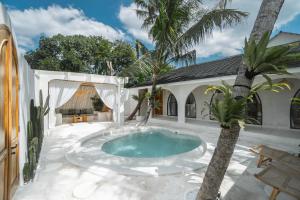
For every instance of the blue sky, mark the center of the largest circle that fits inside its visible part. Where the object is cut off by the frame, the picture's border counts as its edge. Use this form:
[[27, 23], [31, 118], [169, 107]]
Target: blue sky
[[116, 19], [102, 10]]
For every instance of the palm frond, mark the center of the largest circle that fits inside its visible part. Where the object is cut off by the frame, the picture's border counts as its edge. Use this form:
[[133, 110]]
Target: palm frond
[[140, 48], [219, 18], [296, 101], [261, 60], [269, 86], [227, 110], [186, 58]]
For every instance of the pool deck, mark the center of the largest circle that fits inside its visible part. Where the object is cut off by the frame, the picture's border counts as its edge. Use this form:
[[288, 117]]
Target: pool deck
[[58, 179]]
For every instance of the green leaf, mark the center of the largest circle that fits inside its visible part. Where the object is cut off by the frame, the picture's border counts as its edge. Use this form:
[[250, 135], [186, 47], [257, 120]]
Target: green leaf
[[261, 60]]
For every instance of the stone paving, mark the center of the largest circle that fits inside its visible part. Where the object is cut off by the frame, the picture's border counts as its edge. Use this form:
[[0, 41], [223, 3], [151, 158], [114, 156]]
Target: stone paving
[[57, 179]]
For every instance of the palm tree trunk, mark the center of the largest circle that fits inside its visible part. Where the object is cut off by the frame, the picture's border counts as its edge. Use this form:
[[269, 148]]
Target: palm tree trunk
[[151, 99], [219, 162], [136, 109]]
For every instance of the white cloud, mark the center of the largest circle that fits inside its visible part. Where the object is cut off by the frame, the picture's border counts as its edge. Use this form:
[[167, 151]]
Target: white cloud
[[227, 42], [31, 23], [132, 23]]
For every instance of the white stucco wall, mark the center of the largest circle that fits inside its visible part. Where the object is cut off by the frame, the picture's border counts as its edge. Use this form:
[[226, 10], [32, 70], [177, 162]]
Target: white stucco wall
[[130, 104], [165, 94], [275, 106], [26, 78], [202, 110]]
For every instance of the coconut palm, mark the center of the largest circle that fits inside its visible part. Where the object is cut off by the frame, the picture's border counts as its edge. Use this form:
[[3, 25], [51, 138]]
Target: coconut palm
[[173, 25], [154, 63], [257, 60], [150, 64], [139, 99], [172, 31]]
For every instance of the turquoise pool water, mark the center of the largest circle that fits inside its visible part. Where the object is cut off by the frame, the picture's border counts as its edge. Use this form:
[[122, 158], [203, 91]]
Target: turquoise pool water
[[151, 144]]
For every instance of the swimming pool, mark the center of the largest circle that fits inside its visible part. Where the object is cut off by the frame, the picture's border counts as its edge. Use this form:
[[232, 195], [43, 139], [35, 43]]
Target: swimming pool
[[151, 144], [139, 151]]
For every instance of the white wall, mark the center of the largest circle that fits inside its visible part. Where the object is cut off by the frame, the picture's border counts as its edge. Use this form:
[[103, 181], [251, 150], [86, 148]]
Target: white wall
[[201, 100], [275, 106], [130, 104], [26, 93], [165, 94]]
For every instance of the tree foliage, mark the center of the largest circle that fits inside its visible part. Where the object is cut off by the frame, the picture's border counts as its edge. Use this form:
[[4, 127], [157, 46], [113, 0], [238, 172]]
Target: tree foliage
[[78, 53], [148, 64], [264, 61], [174, 26], [229, 110]]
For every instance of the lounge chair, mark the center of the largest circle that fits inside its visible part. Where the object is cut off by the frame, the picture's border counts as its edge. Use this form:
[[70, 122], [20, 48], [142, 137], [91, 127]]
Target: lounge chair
[[267, 154], [282, 178]]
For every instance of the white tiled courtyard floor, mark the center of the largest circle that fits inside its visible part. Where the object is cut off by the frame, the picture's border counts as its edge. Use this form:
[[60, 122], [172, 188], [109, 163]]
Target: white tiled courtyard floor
[[57, 179]]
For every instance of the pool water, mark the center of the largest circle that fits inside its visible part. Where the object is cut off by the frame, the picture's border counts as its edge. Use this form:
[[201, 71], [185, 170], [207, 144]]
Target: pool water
[[151, 144]]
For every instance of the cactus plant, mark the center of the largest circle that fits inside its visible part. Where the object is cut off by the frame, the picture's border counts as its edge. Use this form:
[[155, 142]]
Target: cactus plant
[[29, 133], [26, 172], [35, 135], [32, 157]]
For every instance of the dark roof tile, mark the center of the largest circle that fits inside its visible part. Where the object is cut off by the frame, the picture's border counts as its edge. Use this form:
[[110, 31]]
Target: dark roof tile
[[223, 67]]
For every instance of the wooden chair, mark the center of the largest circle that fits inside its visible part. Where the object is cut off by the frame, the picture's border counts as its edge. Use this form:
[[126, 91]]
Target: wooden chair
[[282, 178], [267, 154]]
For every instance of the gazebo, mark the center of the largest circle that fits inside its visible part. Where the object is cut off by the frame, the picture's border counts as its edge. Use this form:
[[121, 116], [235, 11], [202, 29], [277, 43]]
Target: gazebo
[[84, 106]]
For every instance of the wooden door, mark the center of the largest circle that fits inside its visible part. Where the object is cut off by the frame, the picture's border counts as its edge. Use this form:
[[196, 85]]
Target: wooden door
[[13, 136], [3, 118], [9, 113], [159, 99]]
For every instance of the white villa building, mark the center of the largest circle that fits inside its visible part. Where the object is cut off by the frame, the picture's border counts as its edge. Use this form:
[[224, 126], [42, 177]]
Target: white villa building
[[184, 103]]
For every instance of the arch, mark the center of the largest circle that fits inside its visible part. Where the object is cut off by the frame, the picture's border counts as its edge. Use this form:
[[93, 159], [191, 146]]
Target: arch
[[172, 106], [253, 109], [190, 106], [216, 94], [295, 112]]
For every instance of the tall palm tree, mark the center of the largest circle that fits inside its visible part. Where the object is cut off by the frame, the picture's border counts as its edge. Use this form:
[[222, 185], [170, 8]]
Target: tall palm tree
[[139, 99], [251, 67], [172, 31], [173, 25], [230, 112], [151, 63]]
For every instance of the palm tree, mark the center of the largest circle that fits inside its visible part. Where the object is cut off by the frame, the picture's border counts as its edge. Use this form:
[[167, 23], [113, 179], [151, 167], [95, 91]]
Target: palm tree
[[257, 60], [175, 24], [154, 63], [139, 99], [171, 31]]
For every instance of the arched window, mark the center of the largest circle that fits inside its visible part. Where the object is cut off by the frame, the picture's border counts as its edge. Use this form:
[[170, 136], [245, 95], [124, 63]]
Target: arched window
[[253, 109], [217, 95], [190, 106], [172, 105], [295, 112]]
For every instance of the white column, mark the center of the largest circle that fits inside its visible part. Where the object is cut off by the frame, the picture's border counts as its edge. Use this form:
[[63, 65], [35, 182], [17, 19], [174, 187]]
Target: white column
[[121, 98], [181, 110], [181, 93]]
